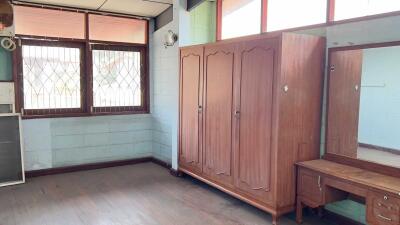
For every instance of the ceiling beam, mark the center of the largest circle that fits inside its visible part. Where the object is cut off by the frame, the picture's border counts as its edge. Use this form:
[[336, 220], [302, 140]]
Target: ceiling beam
[[164, 18]]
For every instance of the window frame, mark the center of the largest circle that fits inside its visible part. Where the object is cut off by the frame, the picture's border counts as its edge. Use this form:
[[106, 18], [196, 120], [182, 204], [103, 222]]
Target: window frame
[[20, 82], [143, 79], [330, 18], [86, 45]]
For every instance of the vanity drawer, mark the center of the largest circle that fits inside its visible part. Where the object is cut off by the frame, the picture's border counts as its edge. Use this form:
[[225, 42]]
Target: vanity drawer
[[309, 187], [383, 209]]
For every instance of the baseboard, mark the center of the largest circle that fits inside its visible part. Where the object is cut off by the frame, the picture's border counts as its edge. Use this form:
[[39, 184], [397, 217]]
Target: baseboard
[[339, 219], [161, 163], [94, 166], [380, 148], [175, 173]]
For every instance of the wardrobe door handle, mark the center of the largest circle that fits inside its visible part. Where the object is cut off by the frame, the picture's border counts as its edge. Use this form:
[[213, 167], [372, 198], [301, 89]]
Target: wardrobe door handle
[[200, 109], [237, 114], [319, 183]]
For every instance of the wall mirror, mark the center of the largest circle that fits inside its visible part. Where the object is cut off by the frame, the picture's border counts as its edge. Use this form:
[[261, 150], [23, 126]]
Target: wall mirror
[[363, 112]]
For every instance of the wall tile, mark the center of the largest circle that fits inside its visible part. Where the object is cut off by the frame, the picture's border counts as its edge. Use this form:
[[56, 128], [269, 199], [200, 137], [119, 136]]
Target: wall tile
[[72, 141], [40, 159], [99, 139], [67, 141]]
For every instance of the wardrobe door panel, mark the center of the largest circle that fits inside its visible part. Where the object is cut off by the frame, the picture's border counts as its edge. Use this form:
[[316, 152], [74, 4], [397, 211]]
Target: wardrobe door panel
[[191, 77], [254, 119], [218, 72], [344, 102]]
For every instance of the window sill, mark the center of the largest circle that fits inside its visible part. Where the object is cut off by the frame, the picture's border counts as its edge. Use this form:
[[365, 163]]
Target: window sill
[[27, 117]]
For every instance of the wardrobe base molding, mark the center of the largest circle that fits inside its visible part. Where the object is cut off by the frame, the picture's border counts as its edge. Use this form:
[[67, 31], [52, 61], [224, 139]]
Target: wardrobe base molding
[[275, 212]]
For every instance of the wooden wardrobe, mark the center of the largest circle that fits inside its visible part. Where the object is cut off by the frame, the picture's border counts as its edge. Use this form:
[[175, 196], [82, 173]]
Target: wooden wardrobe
[[250, 108]]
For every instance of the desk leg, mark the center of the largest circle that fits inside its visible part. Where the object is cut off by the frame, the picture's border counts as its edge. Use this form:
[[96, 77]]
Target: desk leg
[[299, 211], [274, 220], [321, 211]]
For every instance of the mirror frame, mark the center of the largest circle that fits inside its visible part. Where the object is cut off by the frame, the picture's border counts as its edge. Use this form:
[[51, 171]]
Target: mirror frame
[[359, 163]]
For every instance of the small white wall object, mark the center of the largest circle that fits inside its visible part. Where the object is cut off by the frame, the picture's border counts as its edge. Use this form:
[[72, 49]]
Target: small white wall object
[[7, 94]]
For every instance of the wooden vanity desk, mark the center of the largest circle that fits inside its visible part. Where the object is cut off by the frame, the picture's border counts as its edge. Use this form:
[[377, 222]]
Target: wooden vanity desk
[[320, 182]]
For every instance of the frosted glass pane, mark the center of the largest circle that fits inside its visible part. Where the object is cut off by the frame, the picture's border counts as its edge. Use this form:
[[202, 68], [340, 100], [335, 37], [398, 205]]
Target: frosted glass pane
[[240, 18], [49, 23], [284, 14], [345, 9], [108, 28]]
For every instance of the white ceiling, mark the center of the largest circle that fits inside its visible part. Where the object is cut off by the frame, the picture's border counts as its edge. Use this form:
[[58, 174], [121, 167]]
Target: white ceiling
[[146, 8]]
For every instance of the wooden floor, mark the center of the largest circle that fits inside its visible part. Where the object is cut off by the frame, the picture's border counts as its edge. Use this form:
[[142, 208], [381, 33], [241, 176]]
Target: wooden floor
[[139, 194]]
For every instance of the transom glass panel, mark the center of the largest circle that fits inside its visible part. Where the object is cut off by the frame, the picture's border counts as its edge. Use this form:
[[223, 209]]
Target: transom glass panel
[[240, 18], [345, 9]]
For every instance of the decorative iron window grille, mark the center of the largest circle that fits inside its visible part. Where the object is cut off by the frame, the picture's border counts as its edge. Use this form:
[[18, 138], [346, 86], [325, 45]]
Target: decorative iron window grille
[[51, 77], [117, 79]]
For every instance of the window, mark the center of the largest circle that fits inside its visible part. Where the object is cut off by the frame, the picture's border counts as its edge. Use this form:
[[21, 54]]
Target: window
[[345, 9], [117, 77], [240, 18], [51, 77], [284, 14], [96, 66]]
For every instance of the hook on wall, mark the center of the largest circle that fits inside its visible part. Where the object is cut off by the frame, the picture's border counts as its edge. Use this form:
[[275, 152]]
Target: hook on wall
[[8, 44]]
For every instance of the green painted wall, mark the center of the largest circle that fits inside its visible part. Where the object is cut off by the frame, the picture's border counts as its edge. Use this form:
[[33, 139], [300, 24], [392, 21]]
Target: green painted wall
[[203, 23], [349, 209], [5, 65]]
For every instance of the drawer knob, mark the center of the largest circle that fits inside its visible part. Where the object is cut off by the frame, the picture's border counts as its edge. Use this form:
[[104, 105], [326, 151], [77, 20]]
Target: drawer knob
[[385, 197], [384, 217]]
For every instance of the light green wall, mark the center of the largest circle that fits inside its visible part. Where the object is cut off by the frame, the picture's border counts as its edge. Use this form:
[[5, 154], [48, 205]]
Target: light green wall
[[380, 98], [349, 209], [5, 65], [203, 23]]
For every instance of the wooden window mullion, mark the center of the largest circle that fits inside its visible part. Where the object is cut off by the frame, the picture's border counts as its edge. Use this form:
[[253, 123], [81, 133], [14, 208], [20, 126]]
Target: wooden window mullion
[[330, 14], [264, 18]]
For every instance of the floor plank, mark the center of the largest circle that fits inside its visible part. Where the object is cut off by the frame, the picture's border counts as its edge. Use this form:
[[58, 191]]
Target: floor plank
[[142, 194]]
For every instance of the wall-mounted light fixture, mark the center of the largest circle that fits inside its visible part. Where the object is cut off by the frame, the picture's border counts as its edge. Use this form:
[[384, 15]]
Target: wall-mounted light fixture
[[170, 38]]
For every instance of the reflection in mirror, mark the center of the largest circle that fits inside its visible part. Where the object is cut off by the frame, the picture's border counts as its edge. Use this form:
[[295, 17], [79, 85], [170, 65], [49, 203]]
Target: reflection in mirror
[[364, 104], [379, 116]]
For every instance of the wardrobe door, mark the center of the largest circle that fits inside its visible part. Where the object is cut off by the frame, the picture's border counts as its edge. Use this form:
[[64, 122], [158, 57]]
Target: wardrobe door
[[218, 102], [253, 118], [190, 153], [344, 102]]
